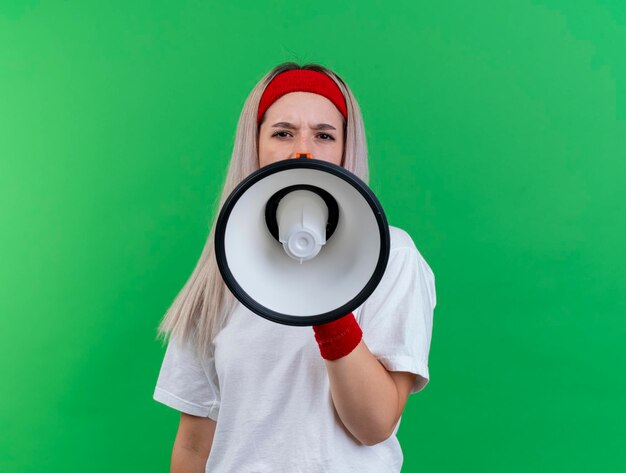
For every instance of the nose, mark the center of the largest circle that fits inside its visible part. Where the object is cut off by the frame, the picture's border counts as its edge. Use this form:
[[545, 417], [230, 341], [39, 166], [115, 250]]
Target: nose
[[301, 146]]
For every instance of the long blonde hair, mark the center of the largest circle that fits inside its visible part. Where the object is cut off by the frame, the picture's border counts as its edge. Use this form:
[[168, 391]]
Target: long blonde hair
[[203, 306]]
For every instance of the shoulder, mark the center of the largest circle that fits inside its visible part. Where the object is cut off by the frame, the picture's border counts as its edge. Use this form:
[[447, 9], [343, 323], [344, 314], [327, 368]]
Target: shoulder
[[400, 239], [402, 243]]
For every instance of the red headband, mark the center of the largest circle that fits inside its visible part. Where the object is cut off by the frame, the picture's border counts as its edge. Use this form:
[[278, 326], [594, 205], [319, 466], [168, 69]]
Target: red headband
[[302, 80]]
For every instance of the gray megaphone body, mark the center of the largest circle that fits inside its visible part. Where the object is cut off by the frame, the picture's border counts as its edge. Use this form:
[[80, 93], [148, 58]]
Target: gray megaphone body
[[302, 242]]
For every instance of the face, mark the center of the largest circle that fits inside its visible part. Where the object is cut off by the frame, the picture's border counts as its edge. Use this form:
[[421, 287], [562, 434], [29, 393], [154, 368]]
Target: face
[[301, 122]]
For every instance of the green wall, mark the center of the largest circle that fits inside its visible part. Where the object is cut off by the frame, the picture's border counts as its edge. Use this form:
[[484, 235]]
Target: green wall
[[497, 135]]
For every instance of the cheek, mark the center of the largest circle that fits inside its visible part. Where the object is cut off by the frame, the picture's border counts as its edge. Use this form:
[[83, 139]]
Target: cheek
[[270, 150], [265, 147], [339, 152], [262, 141], [262, 152], [267, 142]]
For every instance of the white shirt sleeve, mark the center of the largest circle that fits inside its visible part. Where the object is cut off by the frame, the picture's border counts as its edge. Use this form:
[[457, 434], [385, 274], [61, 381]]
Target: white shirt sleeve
[[187, 384], [397, 318]]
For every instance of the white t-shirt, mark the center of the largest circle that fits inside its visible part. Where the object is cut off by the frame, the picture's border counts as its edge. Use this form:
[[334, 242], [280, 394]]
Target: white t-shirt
[[268, 389]]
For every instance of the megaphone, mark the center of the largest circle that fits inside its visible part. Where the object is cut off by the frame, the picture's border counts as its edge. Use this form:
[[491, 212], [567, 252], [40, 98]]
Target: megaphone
[[302, 242]]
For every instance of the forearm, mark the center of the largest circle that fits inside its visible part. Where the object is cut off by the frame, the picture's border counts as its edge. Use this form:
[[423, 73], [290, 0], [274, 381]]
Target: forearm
[[364, 394], [185, 460]]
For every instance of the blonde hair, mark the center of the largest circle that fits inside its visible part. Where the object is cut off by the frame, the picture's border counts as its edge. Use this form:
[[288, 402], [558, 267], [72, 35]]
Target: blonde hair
[[204, 304]]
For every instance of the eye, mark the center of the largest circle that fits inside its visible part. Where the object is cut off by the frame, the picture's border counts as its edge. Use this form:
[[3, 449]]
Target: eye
[[281, 134], [326, 137]]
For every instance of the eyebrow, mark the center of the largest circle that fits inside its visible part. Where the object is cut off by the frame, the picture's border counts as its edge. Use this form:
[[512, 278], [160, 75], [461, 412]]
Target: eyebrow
[[289, 126]]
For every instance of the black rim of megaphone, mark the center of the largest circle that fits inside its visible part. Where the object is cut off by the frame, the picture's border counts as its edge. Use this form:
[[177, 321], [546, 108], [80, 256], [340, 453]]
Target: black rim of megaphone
[[287, 319]]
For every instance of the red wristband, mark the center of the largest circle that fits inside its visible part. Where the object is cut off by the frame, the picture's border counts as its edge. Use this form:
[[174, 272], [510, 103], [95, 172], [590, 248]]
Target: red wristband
[[338, 338]]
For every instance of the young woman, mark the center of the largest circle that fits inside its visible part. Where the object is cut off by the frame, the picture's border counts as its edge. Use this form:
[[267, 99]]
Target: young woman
[[257, 396]]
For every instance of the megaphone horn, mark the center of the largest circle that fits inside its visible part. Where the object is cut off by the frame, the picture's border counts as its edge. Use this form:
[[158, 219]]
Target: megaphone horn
[[302, 242]]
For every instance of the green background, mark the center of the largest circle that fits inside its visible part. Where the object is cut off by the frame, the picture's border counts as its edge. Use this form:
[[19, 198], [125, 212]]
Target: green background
[[497, 136]]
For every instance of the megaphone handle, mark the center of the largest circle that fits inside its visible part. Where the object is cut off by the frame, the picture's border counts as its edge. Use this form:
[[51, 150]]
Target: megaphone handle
[[338, 338]]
